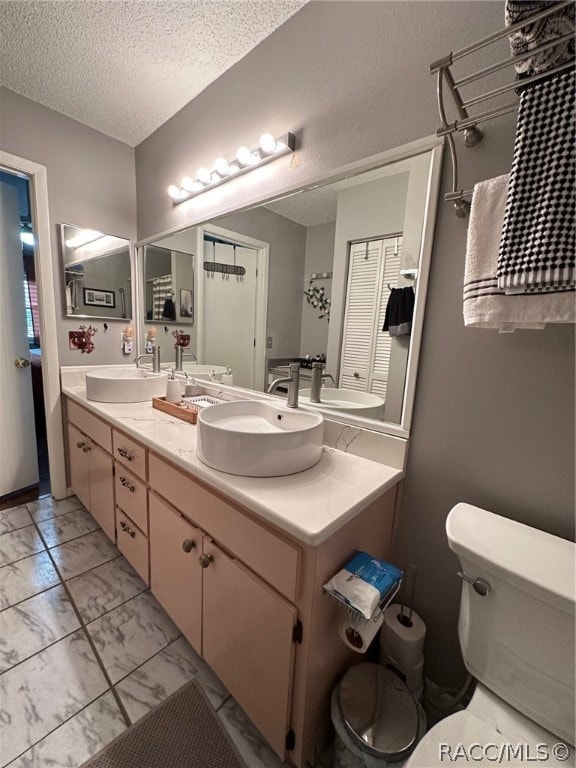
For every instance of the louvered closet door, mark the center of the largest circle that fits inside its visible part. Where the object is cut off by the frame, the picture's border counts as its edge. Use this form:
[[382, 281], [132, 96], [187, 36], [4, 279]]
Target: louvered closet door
[[366, 348], [392, 252], [361, 309]]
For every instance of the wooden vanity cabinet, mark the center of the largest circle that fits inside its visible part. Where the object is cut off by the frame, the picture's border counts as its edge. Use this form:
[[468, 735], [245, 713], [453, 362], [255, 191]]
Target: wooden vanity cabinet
[[247, 595], [91, 476]]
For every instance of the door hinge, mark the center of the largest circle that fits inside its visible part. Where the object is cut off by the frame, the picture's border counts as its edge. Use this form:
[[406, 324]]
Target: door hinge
[[290, 740], [297, 632]]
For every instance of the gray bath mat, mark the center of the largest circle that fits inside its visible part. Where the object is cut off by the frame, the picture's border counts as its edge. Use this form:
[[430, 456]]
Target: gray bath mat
[[182, 732]]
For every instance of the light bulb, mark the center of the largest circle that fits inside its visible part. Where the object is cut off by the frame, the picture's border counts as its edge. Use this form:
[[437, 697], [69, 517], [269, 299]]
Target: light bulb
[[204, 175], [244, 156], [174, 192], [267, 143], [222, 166], [188, 183]]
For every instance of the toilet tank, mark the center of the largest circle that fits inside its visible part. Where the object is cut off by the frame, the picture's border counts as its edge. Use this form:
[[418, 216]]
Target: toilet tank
[[518, 640]]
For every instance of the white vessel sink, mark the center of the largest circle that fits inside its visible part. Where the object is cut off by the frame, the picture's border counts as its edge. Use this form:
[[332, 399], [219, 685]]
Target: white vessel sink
[[257, 439], [129, 385], [347, 400]]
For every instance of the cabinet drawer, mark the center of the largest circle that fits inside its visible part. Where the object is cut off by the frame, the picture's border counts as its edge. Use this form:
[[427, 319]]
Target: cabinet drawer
[[132, 543], [129, 453], [131, 497], [268, 555], [91, 425]]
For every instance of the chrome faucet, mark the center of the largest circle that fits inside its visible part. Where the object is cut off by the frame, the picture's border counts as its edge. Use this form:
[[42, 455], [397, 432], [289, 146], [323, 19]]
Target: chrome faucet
[[293, 381], [155, 355], [180, 355], [317, 377]]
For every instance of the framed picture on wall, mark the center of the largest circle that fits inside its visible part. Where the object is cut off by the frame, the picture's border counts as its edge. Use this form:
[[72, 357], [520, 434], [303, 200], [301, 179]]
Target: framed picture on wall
[[95, 297], [186, 305]]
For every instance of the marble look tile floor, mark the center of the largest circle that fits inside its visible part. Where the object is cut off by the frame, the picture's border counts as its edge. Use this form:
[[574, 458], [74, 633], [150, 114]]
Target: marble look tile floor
[[85, 648]]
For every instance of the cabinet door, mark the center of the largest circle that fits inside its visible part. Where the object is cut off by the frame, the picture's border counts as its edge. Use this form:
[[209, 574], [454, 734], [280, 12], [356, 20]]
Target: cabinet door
[[247, 640], [175, 573], [102, 489], [79, 466]]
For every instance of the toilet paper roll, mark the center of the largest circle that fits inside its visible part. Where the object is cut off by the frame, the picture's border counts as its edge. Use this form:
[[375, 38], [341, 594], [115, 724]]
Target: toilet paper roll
[[357, 633], [403, 646]]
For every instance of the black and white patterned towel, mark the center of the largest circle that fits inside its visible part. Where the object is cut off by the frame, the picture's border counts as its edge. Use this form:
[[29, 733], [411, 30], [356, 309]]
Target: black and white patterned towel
[[539, 32], [538, 236]]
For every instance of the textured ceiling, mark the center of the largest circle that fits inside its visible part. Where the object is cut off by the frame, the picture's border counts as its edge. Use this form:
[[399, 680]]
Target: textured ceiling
[[319, 205], [124, 67]]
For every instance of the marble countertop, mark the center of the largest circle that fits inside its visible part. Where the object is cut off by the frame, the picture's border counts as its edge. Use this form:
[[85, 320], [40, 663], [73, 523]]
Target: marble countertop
[[310, 505]]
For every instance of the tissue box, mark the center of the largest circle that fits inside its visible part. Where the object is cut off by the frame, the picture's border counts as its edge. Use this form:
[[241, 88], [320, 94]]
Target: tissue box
[[364, 583]]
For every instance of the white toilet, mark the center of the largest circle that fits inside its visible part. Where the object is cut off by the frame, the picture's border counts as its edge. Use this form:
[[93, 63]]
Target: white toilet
[[517, 636]]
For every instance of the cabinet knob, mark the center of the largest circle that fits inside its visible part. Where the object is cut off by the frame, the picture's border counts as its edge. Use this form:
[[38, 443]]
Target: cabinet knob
[[125, 454], [80, 444], [127, 529], [205, 560], [85, 448], [188, 545], [356, 375]]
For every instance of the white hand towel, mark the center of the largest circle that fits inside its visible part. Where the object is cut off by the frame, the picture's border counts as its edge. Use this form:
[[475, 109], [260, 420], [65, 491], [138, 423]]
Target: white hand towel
[[485, 305]]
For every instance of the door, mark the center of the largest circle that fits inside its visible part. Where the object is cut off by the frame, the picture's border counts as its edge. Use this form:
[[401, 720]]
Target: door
[[247, 640], [18, 452], [78, 449], [374, 267], [175, 574], [229, 315], [102, 489]]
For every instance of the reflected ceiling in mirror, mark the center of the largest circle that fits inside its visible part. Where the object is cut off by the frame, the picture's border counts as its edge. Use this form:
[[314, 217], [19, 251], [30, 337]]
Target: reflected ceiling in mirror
[[97, 275], [330, 257]]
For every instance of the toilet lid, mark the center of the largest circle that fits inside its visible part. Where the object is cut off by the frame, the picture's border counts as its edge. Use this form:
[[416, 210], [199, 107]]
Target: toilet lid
[[379, 710]]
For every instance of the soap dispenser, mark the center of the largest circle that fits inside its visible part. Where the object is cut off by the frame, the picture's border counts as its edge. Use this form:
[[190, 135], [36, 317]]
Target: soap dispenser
[[173, 389], [192, 388]]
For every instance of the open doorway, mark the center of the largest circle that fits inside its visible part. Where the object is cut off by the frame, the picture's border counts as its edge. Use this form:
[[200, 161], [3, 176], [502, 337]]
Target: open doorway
[[25, 466]]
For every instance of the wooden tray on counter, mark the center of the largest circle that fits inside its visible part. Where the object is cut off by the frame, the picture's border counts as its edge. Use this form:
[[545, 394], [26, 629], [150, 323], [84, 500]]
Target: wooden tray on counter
[[176, 409]]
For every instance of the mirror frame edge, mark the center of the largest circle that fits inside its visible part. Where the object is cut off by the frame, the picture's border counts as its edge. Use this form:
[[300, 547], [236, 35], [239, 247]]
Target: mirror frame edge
[[432, 144]]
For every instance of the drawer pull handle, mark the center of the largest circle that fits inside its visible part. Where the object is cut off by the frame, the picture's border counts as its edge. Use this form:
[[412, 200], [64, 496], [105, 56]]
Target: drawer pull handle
[[85, 447], [188, 545], [127, 529], [127, 484], [205, 560], [80, 444], [125, 454]]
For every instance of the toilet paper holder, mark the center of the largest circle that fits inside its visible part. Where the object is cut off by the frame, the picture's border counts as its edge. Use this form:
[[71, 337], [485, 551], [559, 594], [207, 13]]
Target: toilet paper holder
[[382, 605]]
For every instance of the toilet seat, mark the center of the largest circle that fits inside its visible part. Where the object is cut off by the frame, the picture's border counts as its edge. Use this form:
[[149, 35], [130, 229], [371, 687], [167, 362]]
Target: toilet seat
[[466, 729]]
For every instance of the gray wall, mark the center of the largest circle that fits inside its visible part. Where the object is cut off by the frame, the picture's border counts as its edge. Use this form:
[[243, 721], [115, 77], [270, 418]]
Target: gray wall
[[319, 258], [91, 183], [494, 415]]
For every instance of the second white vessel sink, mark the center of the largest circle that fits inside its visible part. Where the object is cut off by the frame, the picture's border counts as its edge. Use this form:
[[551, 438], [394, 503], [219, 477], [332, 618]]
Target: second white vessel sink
[[124, 385], [258, 439], [348, 400]]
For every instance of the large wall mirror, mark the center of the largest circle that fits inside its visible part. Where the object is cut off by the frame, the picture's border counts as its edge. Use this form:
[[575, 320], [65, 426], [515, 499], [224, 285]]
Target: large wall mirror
[[97, 275], [309, 276]]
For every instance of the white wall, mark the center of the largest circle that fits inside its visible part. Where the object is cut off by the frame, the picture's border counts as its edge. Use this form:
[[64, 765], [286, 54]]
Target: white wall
[[494, 415], [91, 183]]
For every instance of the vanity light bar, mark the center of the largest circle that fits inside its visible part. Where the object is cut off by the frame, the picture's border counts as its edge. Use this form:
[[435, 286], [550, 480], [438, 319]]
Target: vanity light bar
[[224, 170]]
